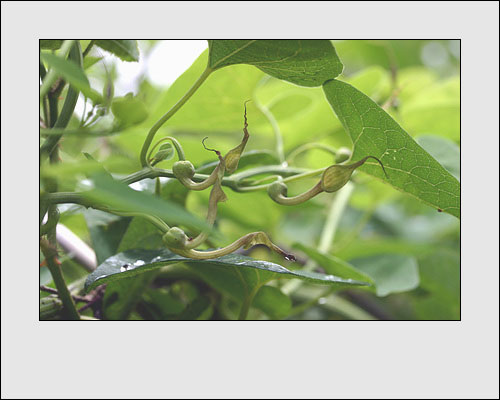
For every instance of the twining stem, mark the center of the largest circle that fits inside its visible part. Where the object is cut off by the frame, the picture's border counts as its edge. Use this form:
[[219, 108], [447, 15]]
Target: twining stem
[[170, 113], [67, 110], [50, 253]]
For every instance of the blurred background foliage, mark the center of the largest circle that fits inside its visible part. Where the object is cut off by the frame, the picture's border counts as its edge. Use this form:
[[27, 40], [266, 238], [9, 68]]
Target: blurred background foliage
[[409, 250]]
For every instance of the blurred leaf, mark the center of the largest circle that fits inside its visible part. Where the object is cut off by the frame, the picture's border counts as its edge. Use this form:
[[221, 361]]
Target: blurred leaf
[[273, 302], [162, 304], [72, 73], [446, 152], [51, 44], [88, 61], [376, 246], [392, 273], [410, 168], [138, 261], [106, 231], [434, 110], [303, 62], [129, 110], [116, 195], [334, 265], [126, 50], [440, 277], [199, 309]]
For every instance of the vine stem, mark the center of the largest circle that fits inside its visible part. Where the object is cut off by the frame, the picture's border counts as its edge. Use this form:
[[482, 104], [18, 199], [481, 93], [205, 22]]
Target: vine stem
[[51, 76], [170, 113], [50, 253]]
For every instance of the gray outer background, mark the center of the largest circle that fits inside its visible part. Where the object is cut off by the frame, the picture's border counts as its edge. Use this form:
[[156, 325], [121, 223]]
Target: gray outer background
[[274, 359]]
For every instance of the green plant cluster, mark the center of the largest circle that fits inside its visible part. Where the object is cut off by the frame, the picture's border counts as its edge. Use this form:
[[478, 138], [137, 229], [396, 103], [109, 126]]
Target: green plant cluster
[[139, 237]]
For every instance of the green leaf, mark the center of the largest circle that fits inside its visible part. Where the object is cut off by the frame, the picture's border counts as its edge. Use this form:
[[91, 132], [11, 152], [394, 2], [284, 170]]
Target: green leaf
[[392, 273], [440, 278], [88, 61], [116, 195], [72, 73], [273, 302], [138, 261], [129, 110], [122, 296], [51, 44], [126, 50], [106, 231], [333, 265], [410, 168], [303, 62]]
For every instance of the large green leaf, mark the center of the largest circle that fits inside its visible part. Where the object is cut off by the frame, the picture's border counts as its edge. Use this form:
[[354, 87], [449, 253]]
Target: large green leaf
[[125, 49], [303, 62], [409, 167], [72, 73], [138, 261], [122, 296]]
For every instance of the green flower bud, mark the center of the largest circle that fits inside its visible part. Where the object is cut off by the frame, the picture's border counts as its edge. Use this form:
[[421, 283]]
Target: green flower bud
[[183, 169], [342, 154], [277, 189], [175, 238], [335, 177]]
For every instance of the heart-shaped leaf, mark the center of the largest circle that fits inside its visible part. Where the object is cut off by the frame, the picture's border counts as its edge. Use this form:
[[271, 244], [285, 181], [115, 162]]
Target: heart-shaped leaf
[[138, 261], [303, 62], [373, 132]]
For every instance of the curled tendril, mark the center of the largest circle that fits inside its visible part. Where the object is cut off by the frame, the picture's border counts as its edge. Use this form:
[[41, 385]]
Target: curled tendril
[[177, 146]]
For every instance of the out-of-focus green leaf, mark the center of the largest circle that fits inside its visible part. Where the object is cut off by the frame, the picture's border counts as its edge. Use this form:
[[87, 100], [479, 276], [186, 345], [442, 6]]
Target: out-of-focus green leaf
[[392, 273], [409, 167], [118, 196], [334, 265], [440, 278], [106, 232], [51, 44], [129, 110], [360, 248], [88, 61], [72, 73], [126, 50], [435, 110], [443, 150], [138, 261], [273, 302], [303, 62]]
